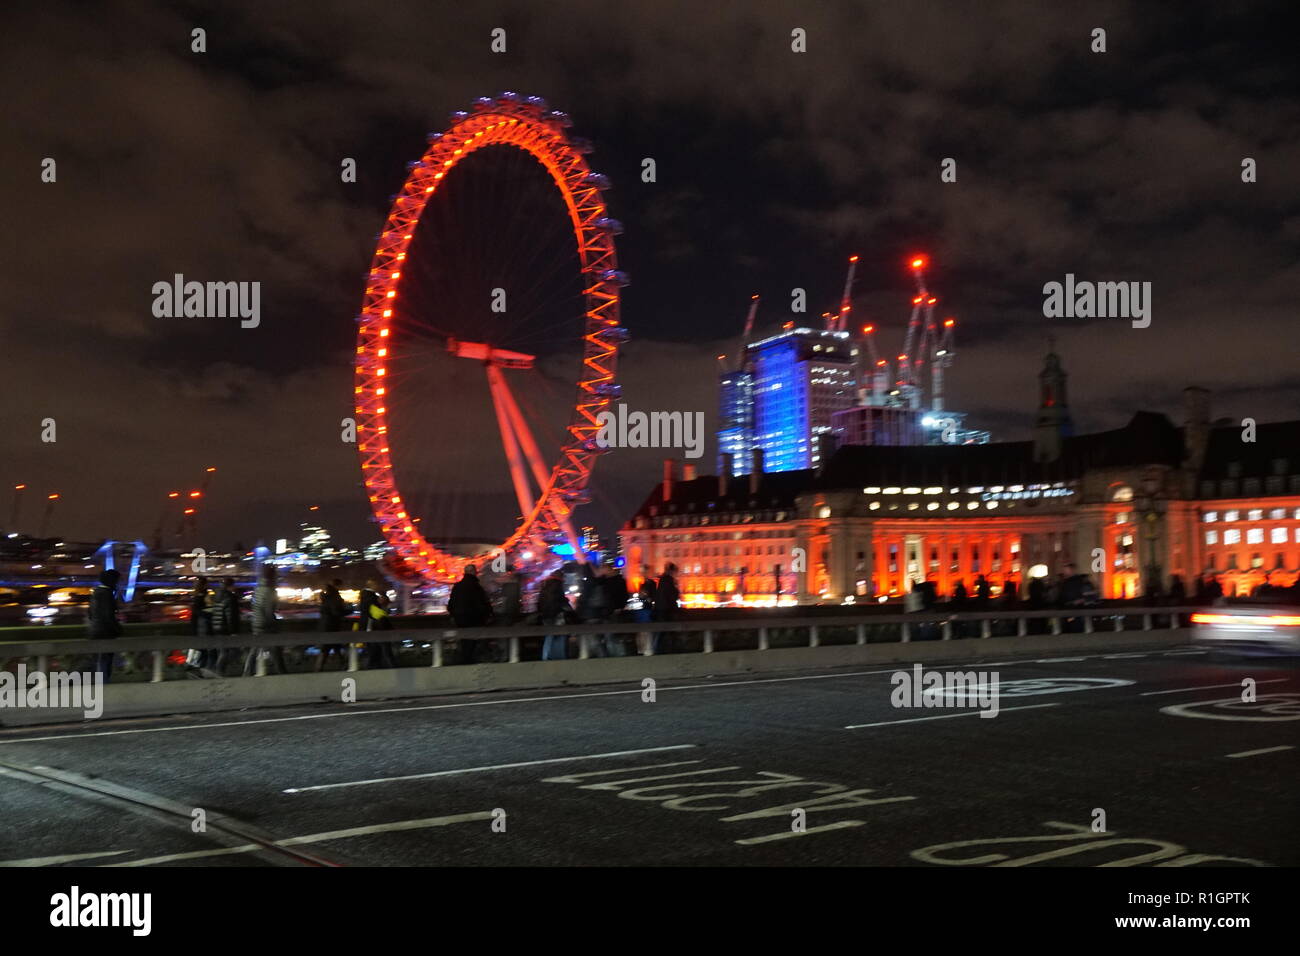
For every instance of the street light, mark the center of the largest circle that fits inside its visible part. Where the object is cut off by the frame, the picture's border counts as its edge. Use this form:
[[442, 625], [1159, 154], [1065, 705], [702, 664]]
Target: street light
[[18, 499]]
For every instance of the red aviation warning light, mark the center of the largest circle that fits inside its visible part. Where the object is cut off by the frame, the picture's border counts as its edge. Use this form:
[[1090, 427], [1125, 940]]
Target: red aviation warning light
[[919, 262]]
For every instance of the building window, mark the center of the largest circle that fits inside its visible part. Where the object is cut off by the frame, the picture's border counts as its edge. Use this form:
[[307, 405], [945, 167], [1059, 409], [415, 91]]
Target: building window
[[1122, 493], [1211, 517], [1122, 518], [1255, 536], [1255, 514], [1211, 537], [1277, 514], [1231, 515], [1232, 536], [1278, 536]]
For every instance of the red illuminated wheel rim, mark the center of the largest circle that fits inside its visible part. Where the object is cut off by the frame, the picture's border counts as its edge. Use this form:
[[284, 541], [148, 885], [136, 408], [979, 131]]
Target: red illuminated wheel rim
[[525, 124]]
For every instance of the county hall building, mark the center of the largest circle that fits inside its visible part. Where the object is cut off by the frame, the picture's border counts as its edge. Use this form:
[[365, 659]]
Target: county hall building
[[1142, 503]]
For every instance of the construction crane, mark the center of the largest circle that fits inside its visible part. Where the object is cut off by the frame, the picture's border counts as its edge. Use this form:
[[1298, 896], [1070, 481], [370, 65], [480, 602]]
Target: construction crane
[[940, 359], [840, 322], [911, 367], [749, 327], [874, 378]]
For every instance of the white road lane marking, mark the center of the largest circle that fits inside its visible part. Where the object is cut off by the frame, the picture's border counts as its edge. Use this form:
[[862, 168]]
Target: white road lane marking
[[782, 836], [1058, 660], [1118, 657], [56, 860], [1185, 690], [399, 825], [969, 713], [469, 703], [478, 703], [1266, 750], [500, 766]]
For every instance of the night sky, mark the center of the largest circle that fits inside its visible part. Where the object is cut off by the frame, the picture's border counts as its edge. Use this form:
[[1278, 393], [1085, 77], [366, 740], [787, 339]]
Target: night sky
[[772, 168]]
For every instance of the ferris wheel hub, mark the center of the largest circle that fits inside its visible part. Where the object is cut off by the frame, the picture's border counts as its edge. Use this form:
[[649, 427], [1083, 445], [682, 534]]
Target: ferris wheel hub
[[481, 351]]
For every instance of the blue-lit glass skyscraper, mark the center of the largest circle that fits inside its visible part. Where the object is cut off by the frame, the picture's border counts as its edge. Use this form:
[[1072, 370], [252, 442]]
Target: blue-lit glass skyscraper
[[736, 420], [799, 378]]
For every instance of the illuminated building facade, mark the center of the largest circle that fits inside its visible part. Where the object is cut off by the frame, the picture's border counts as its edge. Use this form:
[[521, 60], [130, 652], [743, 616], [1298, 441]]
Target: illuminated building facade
[[736, 419], [878, 425], [1132, 507], [801, 377]]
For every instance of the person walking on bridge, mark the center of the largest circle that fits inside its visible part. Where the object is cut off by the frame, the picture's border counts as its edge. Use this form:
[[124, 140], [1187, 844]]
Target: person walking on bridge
[[101, 619], [333, 615], [553, 608], [666, 609], [264, 621], [469, 606], [374, 617], [225, 622]]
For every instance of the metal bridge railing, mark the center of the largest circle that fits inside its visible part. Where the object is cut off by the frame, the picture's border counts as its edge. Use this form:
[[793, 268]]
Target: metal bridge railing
[[153, 658]]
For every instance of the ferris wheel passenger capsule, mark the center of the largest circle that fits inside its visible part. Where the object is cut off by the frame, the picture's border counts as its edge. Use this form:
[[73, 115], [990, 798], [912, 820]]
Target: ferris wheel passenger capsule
[[612, 226], [560, 117], [607, 389], [510, 96], [615, 333], [459, 116], [599, 180], [582, 145], [433, 137], [617, 276], [484, 103], [539, 102]]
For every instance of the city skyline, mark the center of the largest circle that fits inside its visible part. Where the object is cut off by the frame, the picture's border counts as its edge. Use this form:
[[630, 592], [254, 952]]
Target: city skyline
[[1134, 174]]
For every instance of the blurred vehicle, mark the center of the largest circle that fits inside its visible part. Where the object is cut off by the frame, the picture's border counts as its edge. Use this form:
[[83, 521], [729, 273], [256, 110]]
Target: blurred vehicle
[[1249, 626], [11, 608]]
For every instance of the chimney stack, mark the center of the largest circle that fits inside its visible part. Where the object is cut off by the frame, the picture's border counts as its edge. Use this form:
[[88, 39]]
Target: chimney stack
[[755, 471], [688, 471], [725, 476], [1196, 426], [668, 479]]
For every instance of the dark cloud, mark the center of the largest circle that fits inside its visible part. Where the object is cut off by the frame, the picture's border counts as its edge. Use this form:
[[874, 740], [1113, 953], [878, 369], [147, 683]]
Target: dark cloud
[[772, 167]]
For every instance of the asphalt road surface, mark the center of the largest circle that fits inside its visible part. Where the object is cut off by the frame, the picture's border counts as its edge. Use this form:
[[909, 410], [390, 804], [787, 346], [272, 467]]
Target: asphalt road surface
[[1117, 758]]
